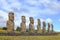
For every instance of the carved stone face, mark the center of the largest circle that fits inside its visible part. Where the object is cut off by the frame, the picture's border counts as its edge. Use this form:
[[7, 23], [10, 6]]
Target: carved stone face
[[11, 16], [31, 20], [48, 24], [39, 21], [23, 19], [44, 24]]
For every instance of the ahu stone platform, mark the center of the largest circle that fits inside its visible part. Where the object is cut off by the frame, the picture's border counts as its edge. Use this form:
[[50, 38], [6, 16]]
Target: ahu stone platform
[[28, 34]]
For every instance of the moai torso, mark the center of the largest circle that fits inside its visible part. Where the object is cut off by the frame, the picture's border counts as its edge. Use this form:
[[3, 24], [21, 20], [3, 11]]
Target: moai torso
[[10, 23], [39, 26], [44, 27], [23, 27], [48, 27], [23, 24], [31, 25], [10, 26]]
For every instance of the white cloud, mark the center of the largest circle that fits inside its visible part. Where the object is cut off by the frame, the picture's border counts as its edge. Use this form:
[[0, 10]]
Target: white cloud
[[34, 8], [49, 20], [4, 14], [3, 18], [57, 30], [51, 6]]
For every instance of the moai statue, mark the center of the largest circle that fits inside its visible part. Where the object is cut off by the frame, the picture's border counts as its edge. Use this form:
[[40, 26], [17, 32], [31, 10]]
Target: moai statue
[[23, 24], [31, 25], [48, 27], [52, 28], [44, 27], [10, 23], [39, 26]]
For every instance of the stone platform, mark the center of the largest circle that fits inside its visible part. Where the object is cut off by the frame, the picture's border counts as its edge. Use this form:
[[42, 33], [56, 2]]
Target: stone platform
[[28, 34]]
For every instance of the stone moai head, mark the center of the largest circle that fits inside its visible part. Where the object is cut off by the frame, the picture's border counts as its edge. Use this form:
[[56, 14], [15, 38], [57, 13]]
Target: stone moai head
[[39, 21], [44, 24], [23, 19], [49, 25], [11, 16], [31, 20]]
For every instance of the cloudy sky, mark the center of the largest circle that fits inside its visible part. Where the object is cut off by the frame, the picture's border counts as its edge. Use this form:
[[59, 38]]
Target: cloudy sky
[[46, 10]]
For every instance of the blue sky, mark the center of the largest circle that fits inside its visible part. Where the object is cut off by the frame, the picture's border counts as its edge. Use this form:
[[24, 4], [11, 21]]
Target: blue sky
[[46, 10]]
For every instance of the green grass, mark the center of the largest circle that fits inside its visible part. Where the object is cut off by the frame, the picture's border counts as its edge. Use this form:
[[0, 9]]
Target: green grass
[[3, 31], [30, 37]]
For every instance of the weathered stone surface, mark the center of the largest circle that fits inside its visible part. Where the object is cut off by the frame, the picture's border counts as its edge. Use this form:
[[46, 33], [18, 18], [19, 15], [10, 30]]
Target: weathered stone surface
[[48, 27], [23, 24], [39, 26], [10, 23], [52, 28], [44, 27], [31, 25], [11, 16]]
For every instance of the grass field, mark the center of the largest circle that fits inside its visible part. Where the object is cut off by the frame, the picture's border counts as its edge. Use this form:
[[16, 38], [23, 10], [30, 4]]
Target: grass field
[[29, 37]]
